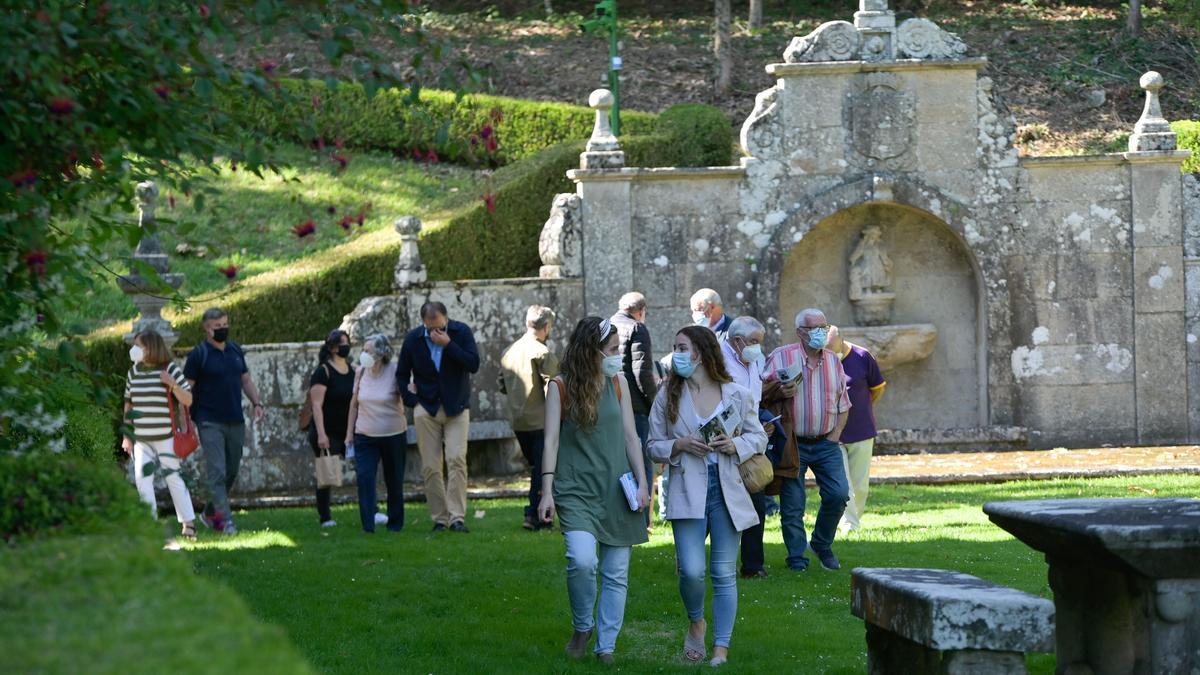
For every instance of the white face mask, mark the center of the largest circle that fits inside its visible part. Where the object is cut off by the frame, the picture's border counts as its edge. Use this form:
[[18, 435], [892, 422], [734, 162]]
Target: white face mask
[[136, 353], [699, 319], [752, 353], [611, 365], [366, 360]]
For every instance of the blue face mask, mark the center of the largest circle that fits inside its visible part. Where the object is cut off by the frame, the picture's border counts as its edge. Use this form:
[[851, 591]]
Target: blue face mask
[[683, 364], [817, 338]]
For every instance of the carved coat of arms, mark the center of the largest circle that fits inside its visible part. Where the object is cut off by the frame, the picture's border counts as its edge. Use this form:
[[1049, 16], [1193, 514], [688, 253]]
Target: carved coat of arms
[[881, 118]]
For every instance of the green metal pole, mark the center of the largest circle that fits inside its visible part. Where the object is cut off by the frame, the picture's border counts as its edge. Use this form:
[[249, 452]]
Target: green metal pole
[[614, 68]]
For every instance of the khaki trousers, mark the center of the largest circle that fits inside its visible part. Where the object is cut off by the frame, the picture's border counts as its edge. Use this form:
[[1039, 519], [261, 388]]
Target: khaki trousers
[[443, 438], [857, 457]]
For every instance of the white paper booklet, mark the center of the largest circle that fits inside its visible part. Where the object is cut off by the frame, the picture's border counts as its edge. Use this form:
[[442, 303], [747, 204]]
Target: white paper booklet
[[726, 422], [629, 486], [790, 373]]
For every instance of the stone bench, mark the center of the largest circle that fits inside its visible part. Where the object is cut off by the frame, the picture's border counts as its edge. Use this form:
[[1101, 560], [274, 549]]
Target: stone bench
[[939, 621]]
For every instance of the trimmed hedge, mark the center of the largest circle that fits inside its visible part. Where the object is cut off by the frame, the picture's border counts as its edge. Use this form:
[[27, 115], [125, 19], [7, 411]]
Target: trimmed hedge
[[280, 306], [439, 120], [1188, 133], [45, 494]]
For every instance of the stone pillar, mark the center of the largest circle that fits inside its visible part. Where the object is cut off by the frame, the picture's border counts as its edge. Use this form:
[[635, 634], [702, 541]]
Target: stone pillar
[[410, 271], [1191, 249], [603, 151], [606, 214], [1160, 353], [876, 23], [150, 294]]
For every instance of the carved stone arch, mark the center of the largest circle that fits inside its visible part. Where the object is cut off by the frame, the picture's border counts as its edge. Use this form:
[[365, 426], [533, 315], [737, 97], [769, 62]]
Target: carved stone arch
[[906, 194]]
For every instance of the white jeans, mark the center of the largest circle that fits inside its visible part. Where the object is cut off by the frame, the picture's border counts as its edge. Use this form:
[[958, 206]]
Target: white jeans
[[857, 457], [145, 452]]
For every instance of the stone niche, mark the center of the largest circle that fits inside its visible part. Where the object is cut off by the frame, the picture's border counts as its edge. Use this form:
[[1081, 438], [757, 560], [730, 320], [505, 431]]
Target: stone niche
[[934, 281]]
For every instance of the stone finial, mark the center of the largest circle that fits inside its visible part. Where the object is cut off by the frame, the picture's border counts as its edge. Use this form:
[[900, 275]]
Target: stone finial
[[410, 271], [1152, 133], [148, 295], [561, 242], [603, 151]]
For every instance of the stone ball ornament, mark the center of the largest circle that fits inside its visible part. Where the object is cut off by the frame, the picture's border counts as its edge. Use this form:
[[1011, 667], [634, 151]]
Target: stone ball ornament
[[1152, 81], [601, 98]]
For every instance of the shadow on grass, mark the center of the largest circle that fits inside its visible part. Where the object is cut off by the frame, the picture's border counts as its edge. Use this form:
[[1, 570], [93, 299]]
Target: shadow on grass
[[494, 600]]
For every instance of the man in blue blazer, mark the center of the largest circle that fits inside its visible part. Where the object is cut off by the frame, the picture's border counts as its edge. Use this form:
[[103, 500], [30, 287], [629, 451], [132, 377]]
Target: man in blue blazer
[[434, 377]]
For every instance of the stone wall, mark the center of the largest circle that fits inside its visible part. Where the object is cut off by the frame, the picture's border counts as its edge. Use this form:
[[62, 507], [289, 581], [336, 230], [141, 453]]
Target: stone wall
[[1191, 249], [1056, 285], [277, 455]]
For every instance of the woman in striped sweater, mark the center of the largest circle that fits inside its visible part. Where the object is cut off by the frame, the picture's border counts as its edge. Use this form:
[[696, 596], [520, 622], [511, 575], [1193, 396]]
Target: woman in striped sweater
[[152, 375]]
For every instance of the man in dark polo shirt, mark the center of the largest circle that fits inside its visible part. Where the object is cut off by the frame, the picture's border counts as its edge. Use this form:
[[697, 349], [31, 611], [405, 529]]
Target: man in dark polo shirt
[[217, 371], [434, 377], [865, 384]]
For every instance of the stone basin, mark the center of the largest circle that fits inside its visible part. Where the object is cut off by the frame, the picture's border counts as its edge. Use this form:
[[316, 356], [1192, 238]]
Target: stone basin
[[894, 345]]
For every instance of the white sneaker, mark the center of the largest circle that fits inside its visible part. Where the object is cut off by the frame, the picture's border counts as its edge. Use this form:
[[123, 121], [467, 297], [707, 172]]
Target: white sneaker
[[381, 518], [329, 523]]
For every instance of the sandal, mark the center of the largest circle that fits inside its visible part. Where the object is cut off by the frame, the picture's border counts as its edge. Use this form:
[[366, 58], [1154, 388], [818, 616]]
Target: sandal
[[189, 531], [577, 646], [693, 647]]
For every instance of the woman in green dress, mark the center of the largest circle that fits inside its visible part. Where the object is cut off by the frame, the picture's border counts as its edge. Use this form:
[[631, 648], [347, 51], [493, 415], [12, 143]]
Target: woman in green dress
[[591, 442]]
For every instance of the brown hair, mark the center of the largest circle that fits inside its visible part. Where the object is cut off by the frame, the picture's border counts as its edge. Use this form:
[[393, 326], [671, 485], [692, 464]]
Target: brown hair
[[155, 348], [704, 342], [581, 370]]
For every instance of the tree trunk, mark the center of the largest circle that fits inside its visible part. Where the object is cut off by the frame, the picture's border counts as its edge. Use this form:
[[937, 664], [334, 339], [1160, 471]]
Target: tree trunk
[[1135, 17], [722, 47], [756, 20]]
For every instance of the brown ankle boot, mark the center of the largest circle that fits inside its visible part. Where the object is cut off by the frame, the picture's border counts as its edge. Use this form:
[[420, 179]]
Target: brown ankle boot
[[577, 646]]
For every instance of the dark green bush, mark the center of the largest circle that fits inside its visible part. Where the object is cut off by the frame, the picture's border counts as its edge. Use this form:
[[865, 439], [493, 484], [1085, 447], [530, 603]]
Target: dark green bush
[[473, 244], [45, 494], [1188, 132], [440, 121]]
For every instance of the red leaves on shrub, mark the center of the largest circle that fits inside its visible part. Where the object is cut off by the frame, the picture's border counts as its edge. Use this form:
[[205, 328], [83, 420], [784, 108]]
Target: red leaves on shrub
[[61, 106], [230, 271], [431, 156], [346, 222], [331, 210], [341, 160], [203, 11], [35, 260], [161, 91], [492, 145], [486, 132], [305, 229], [22, 179], [268, 66], [497, 115], [489, 202]]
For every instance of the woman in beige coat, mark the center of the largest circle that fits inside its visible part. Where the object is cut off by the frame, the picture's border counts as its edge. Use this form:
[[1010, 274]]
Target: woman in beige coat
[[705, 497]]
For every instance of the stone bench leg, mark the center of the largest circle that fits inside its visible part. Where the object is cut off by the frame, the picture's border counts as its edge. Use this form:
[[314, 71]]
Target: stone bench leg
[[889, 653]]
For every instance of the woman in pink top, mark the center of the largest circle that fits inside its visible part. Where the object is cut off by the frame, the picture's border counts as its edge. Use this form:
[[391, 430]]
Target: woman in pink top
[[376, 431]]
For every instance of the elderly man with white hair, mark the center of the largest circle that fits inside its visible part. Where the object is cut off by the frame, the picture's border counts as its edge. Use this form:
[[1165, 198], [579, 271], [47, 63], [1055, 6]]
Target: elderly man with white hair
[[806, 385], [525, 369], [742, 349], [637, 366], [707, 311]]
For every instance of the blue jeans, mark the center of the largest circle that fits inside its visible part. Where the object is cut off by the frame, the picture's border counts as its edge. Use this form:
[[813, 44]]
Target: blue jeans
[[690, 534], [368, 451], [582, 563], [532, 443], [825, 460]]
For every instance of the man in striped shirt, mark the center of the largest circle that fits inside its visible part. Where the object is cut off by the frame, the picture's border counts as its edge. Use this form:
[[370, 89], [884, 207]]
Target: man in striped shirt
[[804, 382]]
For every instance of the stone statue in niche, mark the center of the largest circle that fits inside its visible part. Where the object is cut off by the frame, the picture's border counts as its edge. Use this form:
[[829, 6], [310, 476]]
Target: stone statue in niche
[[871, 279]]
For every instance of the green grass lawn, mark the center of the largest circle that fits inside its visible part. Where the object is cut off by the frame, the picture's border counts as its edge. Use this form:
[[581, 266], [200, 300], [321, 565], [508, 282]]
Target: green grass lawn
[[494, 601], [249, 223]]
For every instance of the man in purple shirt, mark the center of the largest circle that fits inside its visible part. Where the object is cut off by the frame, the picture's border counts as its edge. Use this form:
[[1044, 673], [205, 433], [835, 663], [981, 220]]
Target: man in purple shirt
[[865, 384]]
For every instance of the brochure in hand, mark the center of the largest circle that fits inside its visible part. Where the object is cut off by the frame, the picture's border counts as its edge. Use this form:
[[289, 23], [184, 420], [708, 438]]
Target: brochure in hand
[[726, 421], [790, 373], [629, 487]]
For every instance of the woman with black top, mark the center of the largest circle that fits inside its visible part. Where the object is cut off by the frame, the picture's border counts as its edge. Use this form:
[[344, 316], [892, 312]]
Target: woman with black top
[[330, 389]]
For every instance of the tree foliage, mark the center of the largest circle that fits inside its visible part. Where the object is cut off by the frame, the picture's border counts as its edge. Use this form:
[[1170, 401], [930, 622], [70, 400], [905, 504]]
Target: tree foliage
[[101, 95]]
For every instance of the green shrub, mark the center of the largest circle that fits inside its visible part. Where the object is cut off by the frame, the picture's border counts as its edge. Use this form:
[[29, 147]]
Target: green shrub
[[473, 244], [1188, 132], [440, 121], [43, 494]]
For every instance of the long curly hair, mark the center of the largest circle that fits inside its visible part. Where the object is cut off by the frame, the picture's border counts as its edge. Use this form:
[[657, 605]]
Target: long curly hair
[[704, 342], [581, 370]]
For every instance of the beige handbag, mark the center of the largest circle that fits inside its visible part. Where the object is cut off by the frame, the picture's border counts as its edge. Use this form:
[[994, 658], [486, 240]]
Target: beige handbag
[[757, 473], [329, 470]]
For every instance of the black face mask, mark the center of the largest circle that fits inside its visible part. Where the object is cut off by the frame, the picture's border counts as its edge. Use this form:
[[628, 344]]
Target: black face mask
[[343, 351], [220, 334]]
